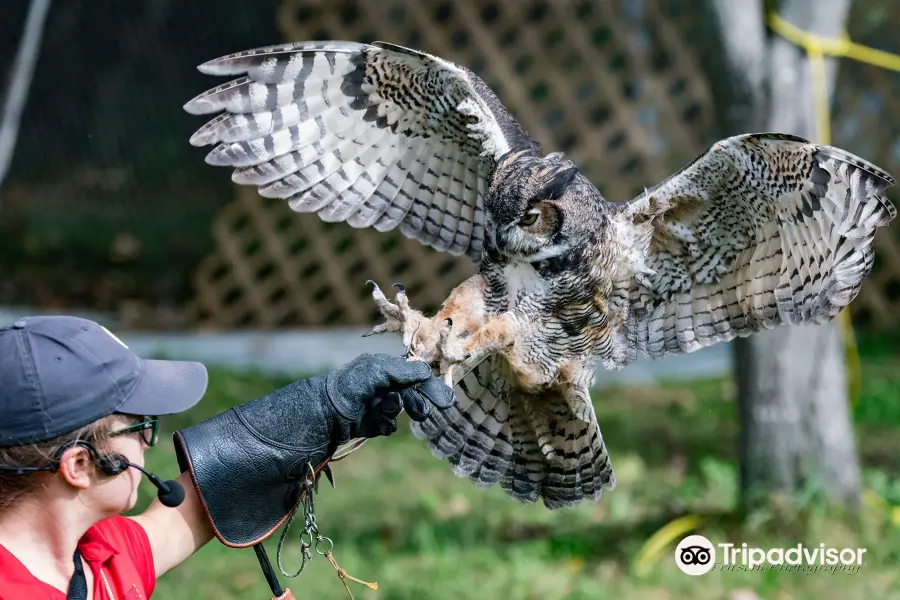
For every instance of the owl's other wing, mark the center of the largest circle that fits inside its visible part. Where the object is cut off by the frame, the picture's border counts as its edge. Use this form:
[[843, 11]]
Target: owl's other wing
[[372, 135], [760, 230]]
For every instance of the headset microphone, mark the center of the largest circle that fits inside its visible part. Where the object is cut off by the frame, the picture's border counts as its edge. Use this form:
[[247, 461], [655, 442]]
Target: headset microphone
[[171, 493]]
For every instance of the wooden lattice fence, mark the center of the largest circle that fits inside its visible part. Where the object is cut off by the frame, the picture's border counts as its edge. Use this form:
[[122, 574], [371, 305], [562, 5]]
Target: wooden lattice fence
[[273, 269], [616, 85]]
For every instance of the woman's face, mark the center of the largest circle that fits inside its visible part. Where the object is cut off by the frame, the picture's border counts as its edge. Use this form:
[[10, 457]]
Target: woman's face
[[119, 493]]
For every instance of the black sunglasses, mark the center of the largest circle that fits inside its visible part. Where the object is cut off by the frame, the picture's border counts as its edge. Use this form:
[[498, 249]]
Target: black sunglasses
[[148, 428]]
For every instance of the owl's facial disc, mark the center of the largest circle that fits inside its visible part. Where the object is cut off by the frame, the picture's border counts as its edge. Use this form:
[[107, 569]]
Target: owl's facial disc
[[529, 196], [534, 235]]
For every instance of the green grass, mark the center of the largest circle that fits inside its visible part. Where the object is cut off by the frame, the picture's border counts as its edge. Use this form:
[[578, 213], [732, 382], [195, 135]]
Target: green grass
[[399, 516]]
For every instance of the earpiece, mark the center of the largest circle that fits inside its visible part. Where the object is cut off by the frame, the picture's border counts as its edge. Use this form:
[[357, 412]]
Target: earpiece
[[111, 464]]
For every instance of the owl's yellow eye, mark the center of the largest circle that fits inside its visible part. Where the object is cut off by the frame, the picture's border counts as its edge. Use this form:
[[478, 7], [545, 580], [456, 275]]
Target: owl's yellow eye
[[529, 219]]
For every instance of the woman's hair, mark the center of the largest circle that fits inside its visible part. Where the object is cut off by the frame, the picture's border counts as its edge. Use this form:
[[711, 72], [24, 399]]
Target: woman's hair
[[14, 486]]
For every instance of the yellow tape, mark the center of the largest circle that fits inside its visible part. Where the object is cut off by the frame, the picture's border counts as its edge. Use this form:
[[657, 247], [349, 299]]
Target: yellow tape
[[817, 47], [842, 46]]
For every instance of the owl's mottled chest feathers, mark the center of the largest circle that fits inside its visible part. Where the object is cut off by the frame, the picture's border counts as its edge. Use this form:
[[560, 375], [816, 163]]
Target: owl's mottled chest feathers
[[522, 281], [559, 320], [512, 284]]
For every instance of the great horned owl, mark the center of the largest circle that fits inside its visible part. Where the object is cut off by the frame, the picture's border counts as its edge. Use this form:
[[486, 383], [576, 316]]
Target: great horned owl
[[758, 231]]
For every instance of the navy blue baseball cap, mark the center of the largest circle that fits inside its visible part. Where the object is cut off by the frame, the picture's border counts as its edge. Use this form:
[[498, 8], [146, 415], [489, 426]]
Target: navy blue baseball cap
[[60, 373]]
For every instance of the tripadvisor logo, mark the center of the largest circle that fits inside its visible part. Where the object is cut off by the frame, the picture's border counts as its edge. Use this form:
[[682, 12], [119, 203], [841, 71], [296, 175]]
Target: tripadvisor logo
[[696, 555]]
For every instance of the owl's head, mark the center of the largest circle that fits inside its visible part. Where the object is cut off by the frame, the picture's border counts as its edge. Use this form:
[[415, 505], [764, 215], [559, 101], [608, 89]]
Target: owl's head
[[537, 207]]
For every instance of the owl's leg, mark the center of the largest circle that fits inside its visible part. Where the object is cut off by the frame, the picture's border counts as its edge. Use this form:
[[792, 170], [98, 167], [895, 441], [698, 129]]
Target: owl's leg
[[428, 339], [574, 380], [399, 317], [495, 336]]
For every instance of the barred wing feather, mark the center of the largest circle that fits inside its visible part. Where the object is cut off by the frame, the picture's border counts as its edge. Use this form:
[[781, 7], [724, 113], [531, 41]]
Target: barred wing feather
[[759, 231], [372, 135]]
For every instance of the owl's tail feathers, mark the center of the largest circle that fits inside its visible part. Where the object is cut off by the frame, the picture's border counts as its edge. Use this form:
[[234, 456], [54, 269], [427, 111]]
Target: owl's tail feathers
[[492, 437], [575, 461]]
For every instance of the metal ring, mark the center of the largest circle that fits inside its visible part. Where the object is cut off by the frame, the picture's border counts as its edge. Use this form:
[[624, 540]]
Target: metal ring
[[324, 539]]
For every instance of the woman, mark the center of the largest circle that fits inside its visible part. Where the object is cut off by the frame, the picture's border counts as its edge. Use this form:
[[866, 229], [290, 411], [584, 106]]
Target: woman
[[78, 410]]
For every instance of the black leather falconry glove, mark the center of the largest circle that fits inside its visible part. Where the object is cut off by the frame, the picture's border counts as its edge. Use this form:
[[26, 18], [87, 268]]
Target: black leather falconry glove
[[249, 462]]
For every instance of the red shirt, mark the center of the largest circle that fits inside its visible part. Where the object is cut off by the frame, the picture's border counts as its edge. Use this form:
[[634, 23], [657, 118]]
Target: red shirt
[[116, 549]]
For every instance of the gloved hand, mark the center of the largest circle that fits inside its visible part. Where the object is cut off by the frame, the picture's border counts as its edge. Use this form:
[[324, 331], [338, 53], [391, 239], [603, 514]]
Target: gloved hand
[[368, 393], [248, 463]]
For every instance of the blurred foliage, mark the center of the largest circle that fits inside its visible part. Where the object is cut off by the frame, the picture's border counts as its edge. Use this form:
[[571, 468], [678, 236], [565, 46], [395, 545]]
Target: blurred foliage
[[398, 516], [879, 405]]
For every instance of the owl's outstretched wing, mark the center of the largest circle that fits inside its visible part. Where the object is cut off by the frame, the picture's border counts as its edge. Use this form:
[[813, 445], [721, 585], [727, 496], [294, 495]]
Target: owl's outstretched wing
[[372, 135], [760, 230]]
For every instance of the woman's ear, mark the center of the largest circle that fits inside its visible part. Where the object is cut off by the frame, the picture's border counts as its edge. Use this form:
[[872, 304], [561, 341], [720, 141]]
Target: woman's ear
[[76, 467]]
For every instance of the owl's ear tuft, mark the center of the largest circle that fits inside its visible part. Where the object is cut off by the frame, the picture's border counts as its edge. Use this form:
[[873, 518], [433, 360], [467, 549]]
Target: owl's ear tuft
[[556, 184]]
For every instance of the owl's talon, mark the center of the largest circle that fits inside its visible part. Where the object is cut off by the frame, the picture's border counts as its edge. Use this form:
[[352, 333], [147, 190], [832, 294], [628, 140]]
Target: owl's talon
[[399, 317], [449, 352], [387, 308], [380, 328], [402, 300]]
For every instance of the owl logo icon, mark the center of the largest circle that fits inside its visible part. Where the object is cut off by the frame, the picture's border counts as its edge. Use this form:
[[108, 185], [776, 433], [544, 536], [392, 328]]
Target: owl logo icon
[[695, 555]]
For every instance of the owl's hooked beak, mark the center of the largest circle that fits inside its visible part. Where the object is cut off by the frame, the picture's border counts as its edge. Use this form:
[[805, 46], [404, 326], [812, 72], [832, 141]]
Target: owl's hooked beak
[[500, 239]]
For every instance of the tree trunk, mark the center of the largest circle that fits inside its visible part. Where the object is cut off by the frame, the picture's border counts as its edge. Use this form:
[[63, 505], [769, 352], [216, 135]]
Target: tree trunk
[[20, 81], [795, 424]]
